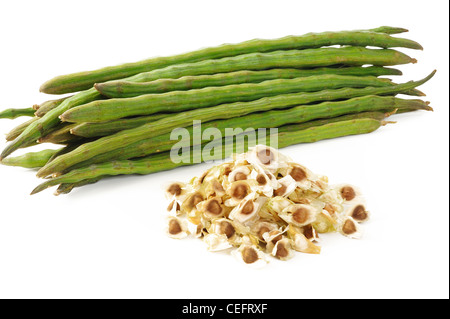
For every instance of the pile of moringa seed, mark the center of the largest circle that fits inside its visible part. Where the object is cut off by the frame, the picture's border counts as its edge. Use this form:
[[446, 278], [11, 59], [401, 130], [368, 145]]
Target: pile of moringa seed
[[260, 204]]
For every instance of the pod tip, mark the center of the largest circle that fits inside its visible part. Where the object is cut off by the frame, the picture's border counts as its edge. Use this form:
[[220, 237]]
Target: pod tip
[[100, 88], [391, 113], [41, 173], [6, 152], [420, 93], [43, 88], [402, 30], [426, 79], [35, 191]]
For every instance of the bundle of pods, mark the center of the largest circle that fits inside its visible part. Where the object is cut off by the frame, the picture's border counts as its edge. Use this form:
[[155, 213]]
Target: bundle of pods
[[262, 203], [118, 119]]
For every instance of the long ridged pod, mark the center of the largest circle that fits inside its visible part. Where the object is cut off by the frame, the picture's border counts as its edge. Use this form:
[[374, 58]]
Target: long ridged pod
[[309, 58], [30, 160], [47, 106], [358, 56], [67, 188], [66, 149], [37, 159], [111, 127], [15, 113], [123, 138], [115, 89], [91, 130], [269, 119], [375, 115], [178, 101], [84, 80], [161, 162], [16, 131]]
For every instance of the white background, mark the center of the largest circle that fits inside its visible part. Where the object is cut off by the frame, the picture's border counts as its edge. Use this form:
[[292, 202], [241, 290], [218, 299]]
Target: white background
[[107, 240]]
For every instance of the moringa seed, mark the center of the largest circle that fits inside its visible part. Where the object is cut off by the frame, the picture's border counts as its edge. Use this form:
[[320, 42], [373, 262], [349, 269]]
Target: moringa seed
[[282, 251], [174, 227], [280, 191], [227, 229], [261, 179], [348, 193], [300, 215], [174, 189], [249, 255], [266, 156], [214, 207], [349, 227], [359, 213], [240, 191], [298, 174], [240, 176], [248, 208]]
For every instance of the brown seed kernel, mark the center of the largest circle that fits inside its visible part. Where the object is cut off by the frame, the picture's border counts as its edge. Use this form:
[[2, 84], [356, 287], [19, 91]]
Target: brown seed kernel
[[170, 207], [282, 251], [227, 170], [359, 213], [298, 174], [174, 227], [262, 231], [248, 208], [266, 156], [174, 189], [218, 187], [227, 229], [309, 232], [280, 191], [214, 207], [202, 177], [195, 199], [276, 238], [348, 193], [300, 215], [240, 176], [249, 255], [199, 229], [240, 191], [349, 227], [261, 179]]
